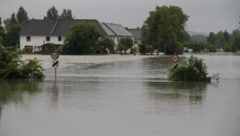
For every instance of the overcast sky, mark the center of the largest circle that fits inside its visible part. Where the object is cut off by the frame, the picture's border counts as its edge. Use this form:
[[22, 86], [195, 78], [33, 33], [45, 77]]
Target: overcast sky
[[204, 15]]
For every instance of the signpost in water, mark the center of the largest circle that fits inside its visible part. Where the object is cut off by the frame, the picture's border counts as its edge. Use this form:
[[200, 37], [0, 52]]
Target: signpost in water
[[55, 62]]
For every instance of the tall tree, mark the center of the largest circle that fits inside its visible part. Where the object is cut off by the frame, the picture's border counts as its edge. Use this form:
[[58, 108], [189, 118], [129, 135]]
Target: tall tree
[[226, 36], [164, 29], [235, 39], [52, 14], [221, 42], [211, 39], [10, 21], [66, 14], [12, 28], [22, 16]]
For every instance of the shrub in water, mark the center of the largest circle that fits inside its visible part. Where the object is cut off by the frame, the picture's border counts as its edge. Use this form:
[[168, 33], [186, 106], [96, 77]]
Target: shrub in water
[[12, 67], [192, 70]]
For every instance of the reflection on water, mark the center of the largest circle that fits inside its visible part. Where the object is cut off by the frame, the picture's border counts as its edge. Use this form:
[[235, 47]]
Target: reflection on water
[[14, 90], [178, 90], [123, 98]]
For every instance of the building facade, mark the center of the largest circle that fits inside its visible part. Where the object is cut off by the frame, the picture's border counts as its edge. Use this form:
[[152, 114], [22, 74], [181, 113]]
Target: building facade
[[36, 33]]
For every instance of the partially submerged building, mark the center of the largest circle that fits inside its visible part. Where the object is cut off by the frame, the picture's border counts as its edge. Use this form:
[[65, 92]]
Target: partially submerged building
[[36, 33]]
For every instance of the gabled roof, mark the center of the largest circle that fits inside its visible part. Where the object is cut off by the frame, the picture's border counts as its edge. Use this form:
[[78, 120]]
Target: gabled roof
[[107, 30], [37, 27], [64, 26], [117, 29], [137, 32], [55, 28]]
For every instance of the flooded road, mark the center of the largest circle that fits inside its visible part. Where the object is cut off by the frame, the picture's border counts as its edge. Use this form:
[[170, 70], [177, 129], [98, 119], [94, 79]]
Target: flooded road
[[123, 98]]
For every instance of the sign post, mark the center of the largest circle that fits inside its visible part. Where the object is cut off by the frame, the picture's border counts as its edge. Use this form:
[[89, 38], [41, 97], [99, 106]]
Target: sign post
[[55, 62]]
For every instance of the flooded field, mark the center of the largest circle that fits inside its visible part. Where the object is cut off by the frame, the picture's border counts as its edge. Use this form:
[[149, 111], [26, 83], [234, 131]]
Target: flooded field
[[122, 96]]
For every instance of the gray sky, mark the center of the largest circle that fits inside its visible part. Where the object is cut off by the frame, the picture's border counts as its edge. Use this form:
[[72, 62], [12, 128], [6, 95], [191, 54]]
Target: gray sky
[[205, 15]]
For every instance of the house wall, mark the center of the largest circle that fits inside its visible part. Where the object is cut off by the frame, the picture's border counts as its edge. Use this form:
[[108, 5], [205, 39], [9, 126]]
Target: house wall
[[37, 41]]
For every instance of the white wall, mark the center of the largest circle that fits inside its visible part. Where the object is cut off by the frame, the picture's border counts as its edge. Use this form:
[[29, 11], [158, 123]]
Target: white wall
[[38, 41]]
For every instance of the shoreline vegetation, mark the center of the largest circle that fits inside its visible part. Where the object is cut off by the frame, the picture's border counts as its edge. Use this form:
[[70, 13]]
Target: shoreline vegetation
[[12, 67]]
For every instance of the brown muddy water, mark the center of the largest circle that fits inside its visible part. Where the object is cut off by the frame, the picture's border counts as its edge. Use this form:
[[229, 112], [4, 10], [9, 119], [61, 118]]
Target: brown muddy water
[[123, 98]]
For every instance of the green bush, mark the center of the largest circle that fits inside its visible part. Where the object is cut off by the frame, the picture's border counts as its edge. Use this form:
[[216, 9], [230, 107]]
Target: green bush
[[192, 70], [12, 67]]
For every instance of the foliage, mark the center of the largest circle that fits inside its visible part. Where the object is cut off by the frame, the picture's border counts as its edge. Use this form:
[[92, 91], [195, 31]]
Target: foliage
[[22, 16], [52, 14], [224, 40], [82, 39], [66, 14], [12, 36], [125, 44], [12, 28], [192, 70], [49, 48], [211, 39], [12, 67], [164, 29], [104, 46]]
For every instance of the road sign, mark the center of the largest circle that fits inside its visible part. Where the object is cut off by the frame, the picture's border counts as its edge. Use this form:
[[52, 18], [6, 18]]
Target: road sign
[[55, 55], [55, 63], [175, 58]]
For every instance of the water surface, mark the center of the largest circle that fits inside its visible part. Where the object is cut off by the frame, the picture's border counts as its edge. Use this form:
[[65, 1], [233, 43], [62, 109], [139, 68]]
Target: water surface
[[124, 98]]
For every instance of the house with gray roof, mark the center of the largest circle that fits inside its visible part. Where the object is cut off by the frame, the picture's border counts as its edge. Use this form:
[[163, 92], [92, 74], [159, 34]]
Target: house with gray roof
[[36, 33], [137, 33], [116, 32]]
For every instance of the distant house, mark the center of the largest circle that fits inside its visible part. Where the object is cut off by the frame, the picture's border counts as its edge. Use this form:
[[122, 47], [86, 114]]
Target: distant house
[[116, 32], [36, 33], [137, 33]]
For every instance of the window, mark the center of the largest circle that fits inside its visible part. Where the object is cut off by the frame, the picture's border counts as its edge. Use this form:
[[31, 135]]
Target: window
[[47, 38], [28, 38], [59, 38]]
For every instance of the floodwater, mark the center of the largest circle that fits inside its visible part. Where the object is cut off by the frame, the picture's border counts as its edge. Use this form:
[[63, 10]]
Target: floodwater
[[123, 98]]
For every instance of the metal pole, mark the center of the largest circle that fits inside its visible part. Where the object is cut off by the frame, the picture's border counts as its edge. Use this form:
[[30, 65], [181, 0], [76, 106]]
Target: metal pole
[[55, 74]]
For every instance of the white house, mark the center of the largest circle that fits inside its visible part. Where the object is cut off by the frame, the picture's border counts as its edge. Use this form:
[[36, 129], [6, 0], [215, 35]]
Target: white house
[[36, 33], [116, 32]]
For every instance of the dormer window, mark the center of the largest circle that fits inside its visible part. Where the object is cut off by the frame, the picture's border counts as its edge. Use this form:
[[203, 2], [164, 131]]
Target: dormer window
[[28, 38], [48, 38]]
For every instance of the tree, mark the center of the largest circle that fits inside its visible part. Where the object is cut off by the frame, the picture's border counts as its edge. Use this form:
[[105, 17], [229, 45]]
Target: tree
[[82, 39], [22, 16], [66, 14], [12, 35], [10, 21], [125, 44], [235, 39], [226, 36], [104, 46], [211, 39], [52, 14], [13, 67], [221, 42], [164, 29], [12, 28]]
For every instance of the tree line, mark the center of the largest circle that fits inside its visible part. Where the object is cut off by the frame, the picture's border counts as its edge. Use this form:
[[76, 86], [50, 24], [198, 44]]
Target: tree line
[[162, 31]]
